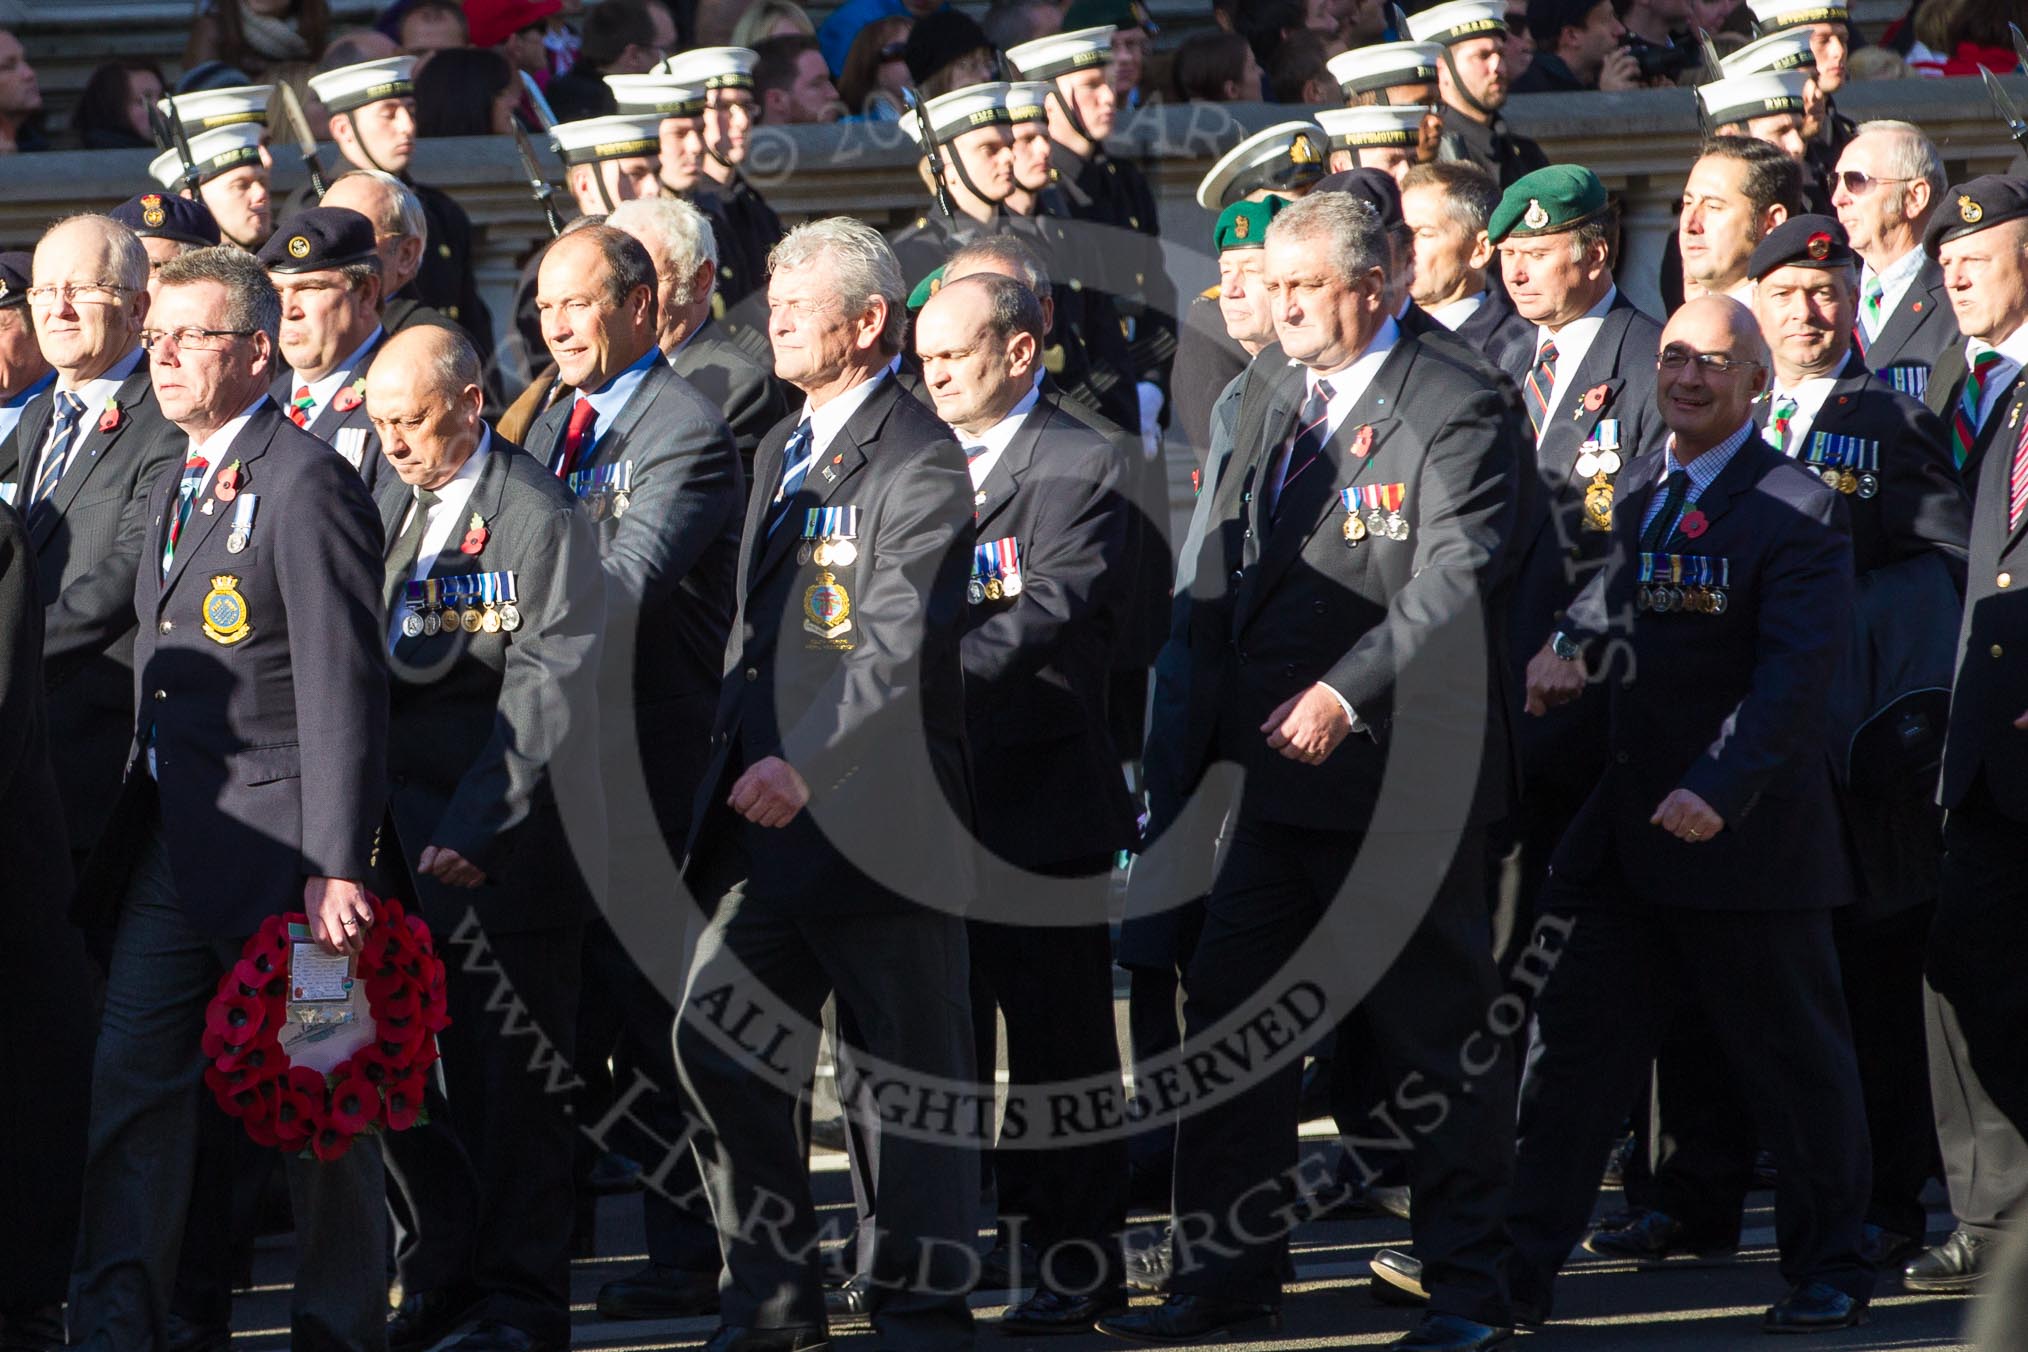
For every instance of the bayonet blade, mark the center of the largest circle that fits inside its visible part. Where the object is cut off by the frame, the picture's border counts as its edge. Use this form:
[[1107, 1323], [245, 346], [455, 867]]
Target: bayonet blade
[[299, 127], [538, 183]]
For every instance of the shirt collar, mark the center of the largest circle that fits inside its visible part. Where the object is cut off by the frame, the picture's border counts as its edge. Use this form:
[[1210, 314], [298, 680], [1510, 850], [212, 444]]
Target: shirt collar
[[99, 389], [611, 397], [1707, 467], [996, 438], [1900, 270], [1458, 311], [21, 400], [214, 447], [827, 422], [326, 389], [1580, 330], [2014, 347]]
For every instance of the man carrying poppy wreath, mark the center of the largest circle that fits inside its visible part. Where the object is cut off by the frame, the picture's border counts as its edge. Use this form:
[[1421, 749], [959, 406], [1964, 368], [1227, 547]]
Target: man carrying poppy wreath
[[253, 788]]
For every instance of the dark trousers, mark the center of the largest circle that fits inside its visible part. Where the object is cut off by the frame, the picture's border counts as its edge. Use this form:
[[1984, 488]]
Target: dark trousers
[[1054, 988], [484, 1193], [1975, 1009], [141, 1153], [902, 979], [1236, 1157], [1768, 982]]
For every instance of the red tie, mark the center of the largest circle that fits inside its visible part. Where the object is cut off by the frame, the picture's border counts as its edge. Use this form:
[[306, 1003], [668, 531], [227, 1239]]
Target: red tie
[[577, 436]]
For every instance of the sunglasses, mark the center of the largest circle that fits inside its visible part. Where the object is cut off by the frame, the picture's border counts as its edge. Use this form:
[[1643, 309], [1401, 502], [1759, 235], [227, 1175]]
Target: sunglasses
[[1859, 184]]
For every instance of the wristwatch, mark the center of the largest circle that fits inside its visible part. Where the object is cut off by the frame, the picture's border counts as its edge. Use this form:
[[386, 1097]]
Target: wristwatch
[[1565, 647]]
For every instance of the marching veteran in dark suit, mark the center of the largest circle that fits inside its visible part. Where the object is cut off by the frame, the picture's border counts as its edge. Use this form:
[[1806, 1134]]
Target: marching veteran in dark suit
[[1977, 237], [84, 457], [1044, 604], [1888, 185], [656, 467], [45, 982], [1681, 871], [323, 263], [254, 787], [1974, 1004], [495, 608], [1357, 530], [842, 715], [1587, 381]]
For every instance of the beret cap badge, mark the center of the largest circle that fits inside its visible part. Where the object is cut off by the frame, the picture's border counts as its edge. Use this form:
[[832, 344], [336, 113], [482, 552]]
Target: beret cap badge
[[151, 210], [1819, 246], [1242, 227], [1535, 217], [299, 247], [1969, 212]]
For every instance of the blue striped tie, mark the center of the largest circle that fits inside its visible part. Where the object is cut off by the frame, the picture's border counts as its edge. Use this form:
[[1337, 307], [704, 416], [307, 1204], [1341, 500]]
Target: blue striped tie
[[796, 458], [56, 456]]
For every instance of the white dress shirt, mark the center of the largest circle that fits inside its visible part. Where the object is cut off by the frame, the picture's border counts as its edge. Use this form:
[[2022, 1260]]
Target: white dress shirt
[[94, 393], [827, 422], [323, 391], [983, 451], [446, 518], [1573, 341], [1458, 311], [2013, 350], [1895, 279], [1809, 397]]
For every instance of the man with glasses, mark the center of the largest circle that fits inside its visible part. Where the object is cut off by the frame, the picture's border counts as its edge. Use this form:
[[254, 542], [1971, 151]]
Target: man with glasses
[[327, 272], [1680, 877], [255, 786], [372, 106], [1887, 186]]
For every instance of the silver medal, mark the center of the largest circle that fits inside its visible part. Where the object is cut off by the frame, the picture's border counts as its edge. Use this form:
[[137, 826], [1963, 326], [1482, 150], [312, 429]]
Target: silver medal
[[510, 617], [412, 625], [1587, 464], [1608, 462], [236, 542]]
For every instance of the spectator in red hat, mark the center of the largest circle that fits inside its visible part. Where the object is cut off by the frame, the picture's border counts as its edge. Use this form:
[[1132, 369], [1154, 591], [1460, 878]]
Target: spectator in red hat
[[515, 29]]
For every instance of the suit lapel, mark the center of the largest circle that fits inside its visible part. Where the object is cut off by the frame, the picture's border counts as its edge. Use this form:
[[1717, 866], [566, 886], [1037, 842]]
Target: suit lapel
[[1285, 405], [611, 443], [1917, 303], [452, 560], [828, 473], [246, 448], [94, 443], [1004, 481]]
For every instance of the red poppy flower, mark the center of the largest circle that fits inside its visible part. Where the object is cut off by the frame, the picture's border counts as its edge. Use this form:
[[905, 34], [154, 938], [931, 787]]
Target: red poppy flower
[[436, 1018], [328, 1142], [260, 1129], [236, 1018], [1693, 524], [1595, 398], [376, 1065], [303, 1080], [404, 1102], [213, 1045], [347, 400], [399, 1004], [252, 974], [256, 1061], [426, 1055], [1362, 440], [355, 1104], [474, 541], [295, 1118]]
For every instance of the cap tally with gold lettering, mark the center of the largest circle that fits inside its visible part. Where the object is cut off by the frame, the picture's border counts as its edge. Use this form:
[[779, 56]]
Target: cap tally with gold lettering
[[1548, 202], [213, 152], [352, 87], [318, 239], [210, 109], [1459, 21], [1288, 155], [591, 140], [1062, 53], [1787, 50], [1764, 94], [1027, 101], [1385, 65], [1243, 225], [713, 67], [1771, 16], [1373, 126], [1974, 205], [656, 96], [960, 111]]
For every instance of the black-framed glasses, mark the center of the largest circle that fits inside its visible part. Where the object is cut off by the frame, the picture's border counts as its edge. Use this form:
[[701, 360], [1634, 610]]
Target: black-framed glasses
[[195, 339], [1859, 184], [1676, 358]]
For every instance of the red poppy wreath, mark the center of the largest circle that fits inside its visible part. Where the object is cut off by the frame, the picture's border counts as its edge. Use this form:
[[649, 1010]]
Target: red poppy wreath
[[379, 1086]]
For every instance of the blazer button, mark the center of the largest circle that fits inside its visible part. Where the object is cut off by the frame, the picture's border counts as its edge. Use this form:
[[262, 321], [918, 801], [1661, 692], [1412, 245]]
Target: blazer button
[[752, 674], [161, 694], [167, 625], [2005, 580], [1318, 607], [1236, 575], [1246, 535], [1620, 757], [1996, 652]]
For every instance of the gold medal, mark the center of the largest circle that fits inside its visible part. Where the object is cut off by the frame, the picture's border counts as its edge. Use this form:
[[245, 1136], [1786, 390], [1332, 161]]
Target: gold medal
[[490, 621], [993, 589], [821, 554], [1598, 504], [1355, 528], [469, 620], [1829, 474], [1848, 482]]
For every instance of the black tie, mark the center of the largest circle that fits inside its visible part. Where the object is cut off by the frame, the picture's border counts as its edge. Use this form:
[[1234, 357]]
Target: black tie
[[407, 547], [1663, 524]]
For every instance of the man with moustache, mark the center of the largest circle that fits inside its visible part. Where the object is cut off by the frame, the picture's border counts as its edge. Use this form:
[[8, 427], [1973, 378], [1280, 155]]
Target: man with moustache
[[1473, 83], [1888, 184], [1049, 580], [492, 634], [326, 270], [1680, 871], [1360, 533]]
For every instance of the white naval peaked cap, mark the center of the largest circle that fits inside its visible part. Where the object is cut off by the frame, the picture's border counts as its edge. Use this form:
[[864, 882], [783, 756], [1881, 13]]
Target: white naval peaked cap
[[592, 139], [960, 111], [1763, 94], [1385, 65], [1771, 16], [350, 87], [208, 109], [214, 152], [1271, 158], [655, 96], [1458, 20], [1027, 100], [713, 67], [1373, 125], [1062, 53], [1788, 49]]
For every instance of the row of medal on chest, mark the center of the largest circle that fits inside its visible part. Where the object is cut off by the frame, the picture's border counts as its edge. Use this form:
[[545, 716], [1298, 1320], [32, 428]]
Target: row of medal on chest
[[474, 603]]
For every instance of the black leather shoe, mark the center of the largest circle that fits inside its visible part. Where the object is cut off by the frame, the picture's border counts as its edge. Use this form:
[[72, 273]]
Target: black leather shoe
[[1188, 1319], [853, 1300], [493, 1336], [1957, 1264], [659, 1292], [1148, 1269], [1397, 1278], [1009, 1268], [1449, 1333], [802, 1338], [1887, 1248], [39, 1328], [1813, 1307], [1654, 1237], [1048, 1312], [423, 1319]]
